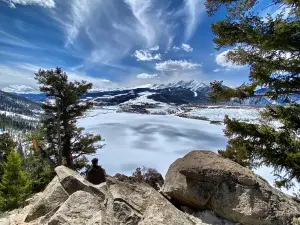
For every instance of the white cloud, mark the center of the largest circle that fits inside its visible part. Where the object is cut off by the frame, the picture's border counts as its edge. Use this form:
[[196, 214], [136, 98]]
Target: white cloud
[[175, 48], [43, 3], [145, 55], [176, 65], [104, 32], [147, 76], [111, 29], [183, 47], [221, 60], [186, 47], [155, 48], [217, 70]]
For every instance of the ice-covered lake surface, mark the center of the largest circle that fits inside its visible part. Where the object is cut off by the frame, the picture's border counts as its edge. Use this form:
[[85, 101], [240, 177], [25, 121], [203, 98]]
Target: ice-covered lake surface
[[135, 140]]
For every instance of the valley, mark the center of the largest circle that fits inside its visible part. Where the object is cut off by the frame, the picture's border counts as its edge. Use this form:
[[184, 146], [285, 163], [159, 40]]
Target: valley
[[152, 126]]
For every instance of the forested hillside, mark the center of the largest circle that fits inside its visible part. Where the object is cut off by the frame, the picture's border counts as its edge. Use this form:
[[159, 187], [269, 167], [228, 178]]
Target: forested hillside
[[17, 112], [18, 104]]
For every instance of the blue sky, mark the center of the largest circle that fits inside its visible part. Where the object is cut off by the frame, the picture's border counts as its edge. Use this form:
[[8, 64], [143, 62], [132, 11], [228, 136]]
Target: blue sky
[[112, 43]]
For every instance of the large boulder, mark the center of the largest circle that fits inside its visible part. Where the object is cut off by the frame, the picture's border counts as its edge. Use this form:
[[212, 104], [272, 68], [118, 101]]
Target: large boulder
[[138, 203], [53, 196], [206, 181]]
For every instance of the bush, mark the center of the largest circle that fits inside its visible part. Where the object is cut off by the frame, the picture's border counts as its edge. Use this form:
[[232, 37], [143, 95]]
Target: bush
[[150, 176]]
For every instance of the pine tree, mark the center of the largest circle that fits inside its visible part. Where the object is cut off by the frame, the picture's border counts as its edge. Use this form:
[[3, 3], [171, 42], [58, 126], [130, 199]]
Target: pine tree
[[270, 46], [15, 186], [7, 144], [40, 169], [65, 141]]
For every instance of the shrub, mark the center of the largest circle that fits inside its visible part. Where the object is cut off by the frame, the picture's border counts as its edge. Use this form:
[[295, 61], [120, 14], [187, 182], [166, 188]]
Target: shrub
[[150, 176]]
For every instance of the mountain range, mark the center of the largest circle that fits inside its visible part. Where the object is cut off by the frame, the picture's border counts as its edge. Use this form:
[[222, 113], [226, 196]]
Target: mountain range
[[181, 92]]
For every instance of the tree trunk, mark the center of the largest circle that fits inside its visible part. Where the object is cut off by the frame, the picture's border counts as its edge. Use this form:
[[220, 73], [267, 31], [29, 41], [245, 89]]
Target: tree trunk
[[67, 154]]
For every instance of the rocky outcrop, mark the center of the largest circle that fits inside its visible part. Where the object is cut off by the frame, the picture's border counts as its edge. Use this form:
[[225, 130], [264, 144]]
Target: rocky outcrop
[[70, 199], [205, 181], [200, 189]]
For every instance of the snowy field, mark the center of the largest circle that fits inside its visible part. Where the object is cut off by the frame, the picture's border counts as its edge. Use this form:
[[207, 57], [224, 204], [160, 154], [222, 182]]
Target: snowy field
[[218, 114], [135, 140], [11, 114]]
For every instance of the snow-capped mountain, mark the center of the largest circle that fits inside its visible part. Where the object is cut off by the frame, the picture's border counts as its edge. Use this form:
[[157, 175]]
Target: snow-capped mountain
[[20, 89], [192, 85], [181, 92]]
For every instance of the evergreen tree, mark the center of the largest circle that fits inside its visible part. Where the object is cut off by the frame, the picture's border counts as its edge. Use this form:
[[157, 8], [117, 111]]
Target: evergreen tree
[[65, 141], [7, 144], [270, 46], [40, 169], [15, 186]]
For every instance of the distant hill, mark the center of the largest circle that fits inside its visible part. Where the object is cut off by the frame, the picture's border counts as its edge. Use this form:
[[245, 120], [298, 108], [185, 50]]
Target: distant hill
[[18, 104], [17, 112]]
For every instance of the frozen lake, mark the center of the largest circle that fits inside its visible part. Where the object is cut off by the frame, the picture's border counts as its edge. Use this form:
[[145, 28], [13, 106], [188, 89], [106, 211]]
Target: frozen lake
[[135, 140]]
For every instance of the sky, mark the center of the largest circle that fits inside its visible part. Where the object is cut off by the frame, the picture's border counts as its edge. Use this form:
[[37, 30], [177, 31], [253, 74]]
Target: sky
[[112, 43]]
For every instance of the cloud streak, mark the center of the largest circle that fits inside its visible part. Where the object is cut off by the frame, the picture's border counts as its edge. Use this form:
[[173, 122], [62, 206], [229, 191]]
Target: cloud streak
[[100, 36], [23, 74], [193, 10], [43, 3], [106, 31]]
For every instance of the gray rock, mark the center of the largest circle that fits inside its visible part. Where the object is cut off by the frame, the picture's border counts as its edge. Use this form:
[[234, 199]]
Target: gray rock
[[201, 180], [204, 180], [53, 196], [141, 204], [79, 209], [32, 200], [5, 221], [72, 182]]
